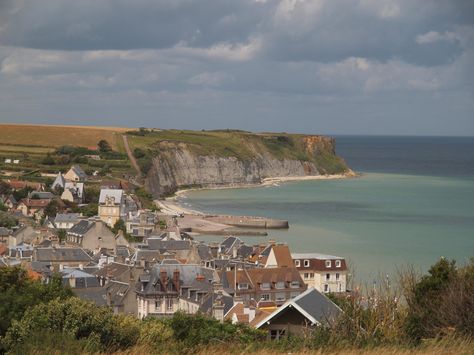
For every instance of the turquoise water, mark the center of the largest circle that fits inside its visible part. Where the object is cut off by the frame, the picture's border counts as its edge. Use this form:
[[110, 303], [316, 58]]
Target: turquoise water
[[379, 222]]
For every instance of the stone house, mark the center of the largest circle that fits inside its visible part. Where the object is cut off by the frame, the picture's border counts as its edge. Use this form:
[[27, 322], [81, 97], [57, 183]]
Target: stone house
[[75, 174], [33, 207], [111, 206], [92, 235], [73, 192]]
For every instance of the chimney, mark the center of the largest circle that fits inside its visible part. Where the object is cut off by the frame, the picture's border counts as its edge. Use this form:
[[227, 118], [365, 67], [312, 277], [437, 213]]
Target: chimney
[[234, 252], [163, 278], [176, 280], [142, 262]]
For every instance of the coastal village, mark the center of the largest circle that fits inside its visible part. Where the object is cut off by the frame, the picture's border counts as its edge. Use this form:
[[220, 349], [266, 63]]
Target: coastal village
[[144, 259]]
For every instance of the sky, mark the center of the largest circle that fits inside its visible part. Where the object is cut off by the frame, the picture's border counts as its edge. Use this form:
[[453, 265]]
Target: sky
[[391, 67]]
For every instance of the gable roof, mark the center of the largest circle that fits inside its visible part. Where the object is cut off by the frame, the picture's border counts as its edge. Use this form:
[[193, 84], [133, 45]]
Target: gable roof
[[312, 304], [75, 187], [36, 203], [41, 195], [282, 255], [61, 254], [81, 228], [78, 171], [67, 217], [59, 181]]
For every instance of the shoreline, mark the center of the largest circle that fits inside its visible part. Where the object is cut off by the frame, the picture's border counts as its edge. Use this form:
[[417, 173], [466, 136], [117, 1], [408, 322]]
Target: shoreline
[[173, 206]]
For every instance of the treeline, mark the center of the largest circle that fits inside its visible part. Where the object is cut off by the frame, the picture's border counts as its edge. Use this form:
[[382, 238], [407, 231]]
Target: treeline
[[434, 313]]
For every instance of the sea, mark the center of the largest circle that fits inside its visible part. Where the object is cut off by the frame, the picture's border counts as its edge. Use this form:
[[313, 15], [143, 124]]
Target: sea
[[412, 204]]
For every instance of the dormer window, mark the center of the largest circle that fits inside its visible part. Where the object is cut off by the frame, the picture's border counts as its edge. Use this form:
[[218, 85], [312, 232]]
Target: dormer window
[[297, 263], [306, 263], [328, 263], [280, 284], [338, 263], [265, 286], [243, 286], [295, 284]]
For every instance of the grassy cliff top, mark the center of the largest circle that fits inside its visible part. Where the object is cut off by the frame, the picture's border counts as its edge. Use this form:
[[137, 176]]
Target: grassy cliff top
[[226, 143]]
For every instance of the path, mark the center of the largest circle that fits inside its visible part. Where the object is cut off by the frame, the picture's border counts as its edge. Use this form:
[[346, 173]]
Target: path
[[131, 156]]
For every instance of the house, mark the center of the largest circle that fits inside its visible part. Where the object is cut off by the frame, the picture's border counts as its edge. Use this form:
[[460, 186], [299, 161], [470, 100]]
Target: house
[[59, 182], [23, 234], [92, 235], [73, 192], [326, 273], [66, 220], [75, 174], [58, 258], [10, 202], [142, 224], [269, 284], [168, 288], [75, 278], [111, 185], [111, 206], [4, 235], [33, 207], [300, 315], [16, 161], [279, 256], [8, 161]]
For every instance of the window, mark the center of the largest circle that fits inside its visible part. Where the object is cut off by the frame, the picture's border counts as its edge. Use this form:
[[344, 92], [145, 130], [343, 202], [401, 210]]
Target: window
[[338, 263], [306, 263], [243, 286], [328, 263], [297, 263], [311, 275], [280, 297], [294, 284], [306, 276], [265, 286], [157, 305], [280, 284], [265, 297], [328, 277], [326, 288], [169, 304], [276, 334], [337, 276]]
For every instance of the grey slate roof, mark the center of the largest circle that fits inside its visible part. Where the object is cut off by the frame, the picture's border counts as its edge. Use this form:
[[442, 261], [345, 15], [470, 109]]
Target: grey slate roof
[[83, 279], [312, 304], [79, 172], [62, 254], [41, 195], [94, 294], [115, 193], [67, 217], [204, 252], [59, 181], [229, 243], [5, 231], [158, 244], [188, 274], [81, 228]]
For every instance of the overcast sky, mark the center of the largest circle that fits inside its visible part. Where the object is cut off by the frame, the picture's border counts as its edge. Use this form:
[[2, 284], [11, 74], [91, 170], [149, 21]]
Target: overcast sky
[[311, 66]]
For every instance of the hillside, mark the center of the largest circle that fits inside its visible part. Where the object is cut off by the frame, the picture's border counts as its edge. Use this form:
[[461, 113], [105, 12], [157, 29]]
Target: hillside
[[169, 159], [176, 158]]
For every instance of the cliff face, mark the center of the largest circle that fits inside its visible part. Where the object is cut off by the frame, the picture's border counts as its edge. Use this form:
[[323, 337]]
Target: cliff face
[[176, 164]]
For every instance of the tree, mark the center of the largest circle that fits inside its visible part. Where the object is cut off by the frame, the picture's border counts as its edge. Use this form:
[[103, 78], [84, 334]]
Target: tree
[[19, 293], [5, 188], [52, 208], [119, 226], [7, 220], [62, 235], [48, 160], [104, 146]]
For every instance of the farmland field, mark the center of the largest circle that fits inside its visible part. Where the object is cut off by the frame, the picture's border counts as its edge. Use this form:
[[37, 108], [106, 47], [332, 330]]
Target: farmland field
[[56, 136]]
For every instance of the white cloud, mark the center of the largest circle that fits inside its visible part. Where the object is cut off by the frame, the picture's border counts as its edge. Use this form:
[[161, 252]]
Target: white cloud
[[433, 36]]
